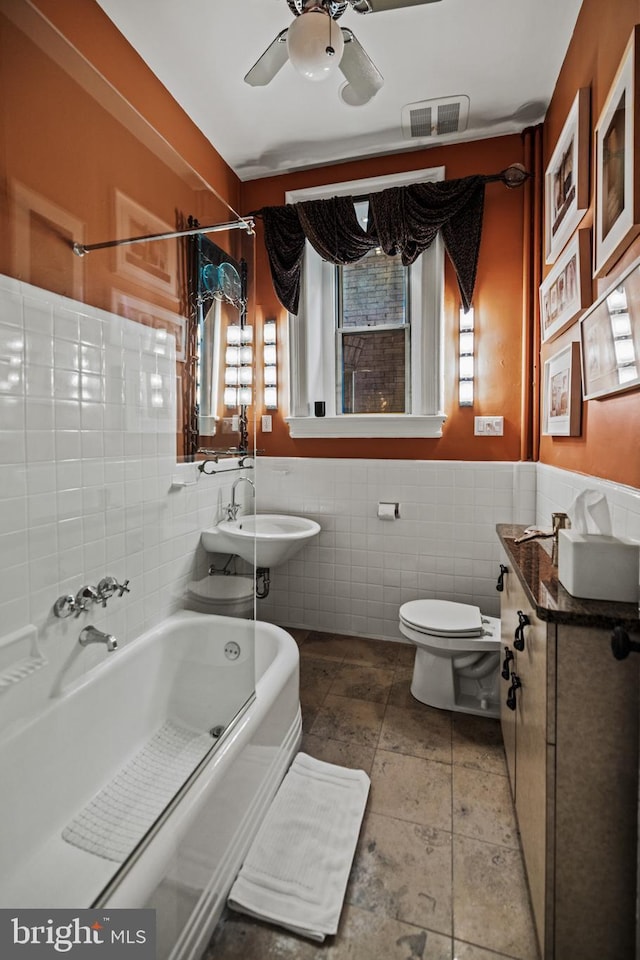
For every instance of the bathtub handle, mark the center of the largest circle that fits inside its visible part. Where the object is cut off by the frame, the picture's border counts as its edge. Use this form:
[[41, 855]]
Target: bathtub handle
[[123, 588]]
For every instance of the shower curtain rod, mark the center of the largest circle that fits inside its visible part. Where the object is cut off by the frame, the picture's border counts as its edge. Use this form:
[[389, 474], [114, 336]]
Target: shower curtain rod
[[247, 224]]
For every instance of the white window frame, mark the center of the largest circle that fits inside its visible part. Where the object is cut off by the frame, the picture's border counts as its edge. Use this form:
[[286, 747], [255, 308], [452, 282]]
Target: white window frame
[[312, 337]]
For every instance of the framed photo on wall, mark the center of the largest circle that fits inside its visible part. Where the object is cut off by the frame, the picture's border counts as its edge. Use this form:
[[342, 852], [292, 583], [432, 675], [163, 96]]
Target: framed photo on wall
[[617, 209], [566, 181], [153, 263], [562, 406], [610, 338], [566, 291]]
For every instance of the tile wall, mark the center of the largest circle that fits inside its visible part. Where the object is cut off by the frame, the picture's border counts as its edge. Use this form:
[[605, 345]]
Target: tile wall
[[356, 574], [87, 464]]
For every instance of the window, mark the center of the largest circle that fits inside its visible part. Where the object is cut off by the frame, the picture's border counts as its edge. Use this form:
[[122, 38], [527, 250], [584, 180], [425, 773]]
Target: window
[[367, 339]]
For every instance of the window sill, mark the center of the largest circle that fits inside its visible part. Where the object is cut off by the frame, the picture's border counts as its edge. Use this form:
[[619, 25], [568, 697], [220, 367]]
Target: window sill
[[366, 425]]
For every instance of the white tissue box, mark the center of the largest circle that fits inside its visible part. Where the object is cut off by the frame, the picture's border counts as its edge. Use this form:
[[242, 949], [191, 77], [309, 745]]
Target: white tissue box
[[597, 567]]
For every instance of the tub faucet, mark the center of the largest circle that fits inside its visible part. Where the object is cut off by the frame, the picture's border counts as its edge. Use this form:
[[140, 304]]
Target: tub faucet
[[233, 507], [91, 634]]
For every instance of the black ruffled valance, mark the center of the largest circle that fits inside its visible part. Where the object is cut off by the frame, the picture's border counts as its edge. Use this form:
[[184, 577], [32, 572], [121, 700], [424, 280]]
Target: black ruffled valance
[[402, 220]]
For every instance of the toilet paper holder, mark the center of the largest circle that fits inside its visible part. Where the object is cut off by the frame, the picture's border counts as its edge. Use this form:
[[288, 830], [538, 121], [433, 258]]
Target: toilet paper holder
[[388, 511]]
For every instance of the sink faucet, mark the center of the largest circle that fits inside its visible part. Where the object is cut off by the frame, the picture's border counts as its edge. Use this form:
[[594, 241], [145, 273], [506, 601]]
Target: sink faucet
[[91, 634], [233, 507]]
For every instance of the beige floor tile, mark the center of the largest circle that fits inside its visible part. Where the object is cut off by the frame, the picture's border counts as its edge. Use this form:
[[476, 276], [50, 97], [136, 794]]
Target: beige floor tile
[[406, 655], [419, 731], [318, 673], [323, 646], [483, 808], [299, 634], [344, 754], [403, 870], [375, 653], [477, 742], [411, 788], [357, 721], [363, 682], [490, 899], [368, 936], [400, 693], [468, 951]]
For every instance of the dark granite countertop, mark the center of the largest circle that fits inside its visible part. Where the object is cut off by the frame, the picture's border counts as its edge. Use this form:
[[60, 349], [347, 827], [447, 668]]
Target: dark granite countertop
[[539, 578]]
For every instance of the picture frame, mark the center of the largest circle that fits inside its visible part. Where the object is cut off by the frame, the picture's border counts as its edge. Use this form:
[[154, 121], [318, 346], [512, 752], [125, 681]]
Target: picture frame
[[567, 289], [566, 179], [617, 188], [562, 407], [153, 263], [151, 315], [610, 338]]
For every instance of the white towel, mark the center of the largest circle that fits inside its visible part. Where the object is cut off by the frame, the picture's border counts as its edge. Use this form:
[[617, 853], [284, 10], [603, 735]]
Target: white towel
[[296, 871]]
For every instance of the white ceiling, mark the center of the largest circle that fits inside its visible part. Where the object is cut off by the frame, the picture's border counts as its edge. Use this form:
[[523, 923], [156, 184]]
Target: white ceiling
[[505, 55]]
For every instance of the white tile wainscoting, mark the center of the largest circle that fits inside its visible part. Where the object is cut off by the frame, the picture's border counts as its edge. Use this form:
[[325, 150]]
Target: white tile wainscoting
[[354, 576], [358, 572], [87, 460]]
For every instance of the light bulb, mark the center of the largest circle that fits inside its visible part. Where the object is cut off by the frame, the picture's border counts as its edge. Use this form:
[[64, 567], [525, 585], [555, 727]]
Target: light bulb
[[270, 376], [233, 333], [315, 44], [231, 397], [269, 331], [270, 355], [271, 398]]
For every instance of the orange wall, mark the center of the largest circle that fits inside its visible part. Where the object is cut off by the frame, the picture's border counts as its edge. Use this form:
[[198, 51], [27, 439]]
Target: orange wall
[[497, 303], [608, 446]]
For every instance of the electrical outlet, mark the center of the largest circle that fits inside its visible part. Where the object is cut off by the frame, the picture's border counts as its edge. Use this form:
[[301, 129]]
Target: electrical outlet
[[488, 426], [267, 425]]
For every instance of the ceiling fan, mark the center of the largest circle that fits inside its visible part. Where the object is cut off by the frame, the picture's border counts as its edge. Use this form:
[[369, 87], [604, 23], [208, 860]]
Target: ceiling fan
[[316, 46]]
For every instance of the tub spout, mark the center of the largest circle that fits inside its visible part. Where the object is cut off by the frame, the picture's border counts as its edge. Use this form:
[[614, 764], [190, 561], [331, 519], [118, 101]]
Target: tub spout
[[91, 634]]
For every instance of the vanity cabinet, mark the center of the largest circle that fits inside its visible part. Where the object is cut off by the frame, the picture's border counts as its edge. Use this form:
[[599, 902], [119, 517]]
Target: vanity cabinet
[[570, 721]]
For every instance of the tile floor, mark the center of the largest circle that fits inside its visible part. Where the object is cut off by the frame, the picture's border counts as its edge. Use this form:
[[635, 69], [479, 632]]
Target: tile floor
[[438, 871]]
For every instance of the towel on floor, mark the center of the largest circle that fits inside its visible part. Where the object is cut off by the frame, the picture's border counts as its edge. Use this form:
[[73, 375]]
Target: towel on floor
[[296, 871]]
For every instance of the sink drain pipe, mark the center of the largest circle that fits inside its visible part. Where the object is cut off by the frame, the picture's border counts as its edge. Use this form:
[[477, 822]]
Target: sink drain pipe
[[263, 581]]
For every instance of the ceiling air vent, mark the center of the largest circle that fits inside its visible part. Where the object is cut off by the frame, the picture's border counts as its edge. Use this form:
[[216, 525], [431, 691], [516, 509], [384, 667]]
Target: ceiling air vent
[[435, 118]]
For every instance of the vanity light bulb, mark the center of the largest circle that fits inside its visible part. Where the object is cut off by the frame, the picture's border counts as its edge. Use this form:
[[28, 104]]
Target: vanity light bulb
[[466, 368], [234, 333], [246, 334], [246, 354], [246, 375], [231, 376], [245, 395], [271, 398], [466, 343], [270, 376], [269, 331], [465, 393], [270, 355], [231, 397], [232, 356], [466, 319]]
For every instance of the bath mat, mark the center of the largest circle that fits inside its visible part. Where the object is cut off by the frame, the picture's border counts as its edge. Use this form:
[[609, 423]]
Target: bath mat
[[118, 817], [295, 874]]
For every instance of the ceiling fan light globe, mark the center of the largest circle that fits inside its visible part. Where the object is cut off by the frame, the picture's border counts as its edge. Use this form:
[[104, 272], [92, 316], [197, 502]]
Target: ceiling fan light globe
[[310, 39]]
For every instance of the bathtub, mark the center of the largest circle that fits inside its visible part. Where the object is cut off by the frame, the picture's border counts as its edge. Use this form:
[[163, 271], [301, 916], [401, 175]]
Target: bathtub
[[56, 761]]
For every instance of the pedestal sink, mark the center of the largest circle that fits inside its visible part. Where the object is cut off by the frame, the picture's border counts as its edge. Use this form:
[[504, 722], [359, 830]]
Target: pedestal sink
[[266, 539]]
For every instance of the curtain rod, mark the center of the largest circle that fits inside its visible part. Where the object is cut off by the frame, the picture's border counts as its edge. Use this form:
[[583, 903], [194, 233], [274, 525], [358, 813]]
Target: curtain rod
[[247, 223]]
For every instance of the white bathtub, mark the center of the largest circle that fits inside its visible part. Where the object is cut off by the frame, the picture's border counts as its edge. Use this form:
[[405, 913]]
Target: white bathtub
[[54, 764]]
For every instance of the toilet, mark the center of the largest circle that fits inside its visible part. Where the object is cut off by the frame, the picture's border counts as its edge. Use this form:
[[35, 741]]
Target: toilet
[[230, 596], [457, 655]]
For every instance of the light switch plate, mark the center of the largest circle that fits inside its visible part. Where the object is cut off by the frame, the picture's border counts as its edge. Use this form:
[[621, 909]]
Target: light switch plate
[[488, 426], [267, 425]]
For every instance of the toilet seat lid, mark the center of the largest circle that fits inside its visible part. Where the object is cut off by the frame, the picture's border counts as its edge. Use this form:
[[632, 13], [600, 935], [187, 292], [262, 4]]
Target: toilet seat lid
[[221, 588], [443, 617]]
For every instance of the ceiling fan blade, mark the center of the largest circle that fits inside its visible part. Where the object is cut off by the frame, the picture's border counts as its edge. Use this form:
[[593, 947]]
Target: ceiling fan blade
[[375, 6], [363, 77], [273, 59]]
